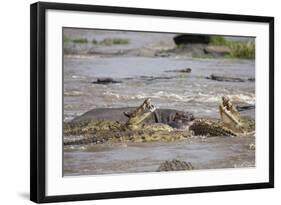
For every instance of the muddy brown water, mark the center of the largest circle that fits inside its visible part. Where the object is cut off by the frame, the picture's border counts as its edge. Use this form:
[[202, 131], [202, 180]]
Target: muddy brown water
[[144, 77], [203, 153]]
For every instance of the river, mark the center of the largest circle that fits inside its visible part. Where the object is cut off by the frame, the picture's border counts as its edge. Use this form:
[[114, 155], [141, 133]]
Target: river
[[144, 76]]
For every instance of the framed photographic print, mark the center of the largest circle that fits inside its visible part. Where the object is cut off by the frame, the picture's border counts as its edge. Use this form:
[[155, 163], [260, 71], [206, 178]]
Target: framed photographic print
[[129, 102]]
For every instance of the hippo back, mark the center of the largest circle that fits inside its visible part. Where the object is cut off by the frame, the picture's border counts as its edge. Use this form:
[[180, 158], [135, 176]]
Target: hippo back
[[174, 118], [113, 114]]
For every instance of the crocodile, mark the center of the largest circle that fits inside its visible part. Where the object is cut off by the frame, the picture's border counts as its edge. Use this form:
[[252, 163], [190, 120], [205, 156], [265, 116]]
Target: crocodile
[[231, 122], [134, 129], [174, 118]]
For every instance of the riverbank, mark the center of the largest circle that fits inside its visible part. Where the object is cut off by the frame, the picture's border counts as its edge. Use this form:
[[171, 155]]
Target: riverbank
[[120, 43]]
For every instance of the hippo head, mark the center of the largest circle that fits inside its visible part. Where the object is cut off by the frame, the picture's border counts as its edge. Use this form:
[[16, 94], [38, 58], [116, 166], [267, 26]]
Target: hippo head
[[182, 120]]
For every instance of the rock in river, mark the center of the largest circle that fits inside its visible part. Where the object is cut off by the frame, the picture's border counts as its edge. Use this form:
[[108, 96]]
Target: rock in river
[[185, 70], [175, 165], [225, 78], [106, 81], [241, 108]]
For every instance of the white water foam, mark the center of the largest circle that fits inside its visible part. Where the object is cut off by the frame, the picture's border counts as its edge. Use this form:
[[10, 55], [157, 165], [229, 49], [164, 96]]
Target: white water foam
[[248, 98]]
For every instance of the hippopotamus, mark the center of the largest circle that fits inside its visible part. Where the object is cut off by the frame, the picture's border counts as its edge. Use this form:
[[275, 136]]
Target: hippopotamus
[[146, 123], [174, 118]]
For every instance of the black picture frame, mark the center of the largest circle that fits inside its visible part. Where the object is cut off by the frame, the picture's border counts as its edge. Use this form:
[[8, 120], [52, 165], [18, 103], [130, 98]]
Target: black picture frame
[[38, 100]]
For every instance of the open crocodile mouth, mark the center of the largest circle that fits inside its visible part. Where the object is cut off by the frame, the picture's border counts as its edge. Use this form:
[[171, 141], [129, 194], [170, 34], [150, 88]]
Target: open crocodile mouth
[[229, 115], [140, 114], [148, 106], [230, 124]]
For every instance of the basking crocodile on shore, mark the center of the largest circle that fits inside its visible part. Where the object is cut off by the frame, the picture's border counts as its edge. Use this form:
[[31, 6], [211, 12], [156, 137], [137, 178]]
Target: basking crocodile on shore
[[85, 130]]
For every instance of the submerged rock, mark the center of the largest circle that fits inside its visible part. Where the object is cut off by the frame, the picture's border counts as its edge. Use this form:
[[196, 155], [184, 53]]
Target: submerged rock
[[252, 147], [162, 54], [229, 78], [151, 78], [185, 70], [241, 108], [251, 79], [175, 165], [225, 78], [106, 81]]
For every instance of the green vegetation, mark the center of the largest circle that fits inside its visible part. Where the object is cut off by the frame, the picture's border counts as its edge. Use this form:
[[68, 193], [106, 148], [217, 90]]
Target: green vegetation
[[238, 49], [67, 39], [217, 41], [242, 49], [80, 40], [181, 46], [114, 41], [94, 41], [106, 41], [201, 55]]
